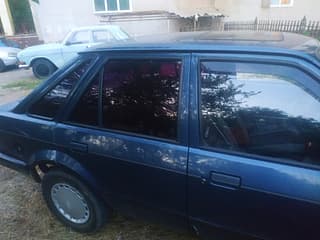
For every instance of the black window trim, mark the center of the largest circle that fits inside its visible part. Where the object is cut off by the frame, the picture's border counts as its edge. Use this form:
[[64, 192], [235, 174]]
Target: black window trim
[[252, 60], [52, 85], [134, 56]]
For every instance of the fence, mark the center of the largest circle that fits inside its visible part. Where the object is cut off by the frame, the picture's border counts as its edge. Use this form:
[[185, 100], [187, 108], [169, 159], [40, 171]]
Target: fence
[[310, 28]]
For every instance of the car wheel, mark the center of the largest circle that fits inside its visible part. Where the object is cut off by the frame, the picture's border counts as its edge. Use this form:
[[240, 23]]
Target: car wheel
[[72, 202], [2, 66], [43, 68]]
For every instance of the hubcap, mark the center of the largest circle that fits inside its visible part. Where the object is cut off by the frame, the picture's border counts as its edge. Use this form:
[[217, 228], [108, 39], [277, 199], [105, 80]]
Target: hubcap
[[70, 203]]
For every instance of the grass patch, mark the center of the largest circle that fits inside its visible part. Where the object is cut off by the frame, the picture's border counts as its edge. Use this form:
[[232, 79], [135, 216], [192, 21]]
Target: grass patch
[[26, 84]]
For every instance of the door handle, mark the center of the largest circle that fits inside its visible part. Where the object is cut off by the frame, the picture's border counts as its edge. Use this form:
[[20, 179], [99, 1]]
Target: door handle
[[225, 180], [79, 147]]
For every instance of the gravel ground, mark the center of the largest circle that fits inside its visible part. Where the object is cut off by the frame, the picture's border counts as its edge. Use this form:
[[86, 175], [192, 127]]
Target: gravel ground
[[24, 215]]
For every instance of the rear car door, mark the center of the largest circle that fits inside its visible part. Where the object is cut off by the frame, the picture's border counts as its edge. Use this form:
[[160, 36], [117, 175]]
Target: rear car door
[[255, 154], [128, 128]]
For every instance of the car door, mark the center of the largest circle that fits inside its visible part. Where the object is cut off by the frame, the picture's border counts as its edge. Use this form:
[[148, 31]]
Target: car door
[[129, 129], [254, 155], [77, 42]]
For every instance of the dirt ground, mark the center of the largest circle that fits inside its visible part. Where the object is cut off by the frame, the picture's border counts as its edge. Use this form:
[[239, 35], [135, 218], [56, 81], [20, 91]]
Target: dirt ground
[[24, 215], [11, 76]]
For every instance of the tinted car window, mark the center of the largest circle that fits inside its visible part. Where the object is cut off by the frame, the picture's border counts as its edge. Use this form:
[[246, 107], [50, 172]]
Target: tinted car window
[[8, 43], [260, 109], [49, 104], [141, 96], [86, 110]]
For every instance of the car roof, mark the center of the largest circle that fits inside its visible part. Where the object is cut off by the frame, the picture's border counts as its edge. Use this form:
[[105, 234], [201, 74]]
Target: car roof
[[261, 42]]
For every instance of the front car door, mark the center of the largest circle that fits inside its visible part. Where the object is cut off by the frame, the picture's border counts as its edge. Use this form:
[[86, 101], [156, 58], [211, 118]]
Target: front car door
[[255, 155], [129, 129], [77, 41]]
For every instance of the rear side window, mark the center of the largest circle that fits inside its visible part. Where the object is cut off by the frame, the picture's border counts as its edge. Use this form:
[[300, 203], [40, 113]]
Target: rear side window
[[141, 96], [50, 104], [268, 110], [102, 36]]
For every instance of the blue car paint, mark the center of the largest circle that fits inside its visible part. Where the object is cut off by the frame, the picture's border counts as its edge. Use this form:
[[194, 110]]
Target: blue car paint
[[265, 187], [274, 199]]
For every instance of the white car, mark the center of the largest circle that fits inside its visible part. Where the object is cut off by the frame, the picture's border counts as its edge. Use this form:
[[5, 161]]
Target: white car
[[46, 58], [8, 53]]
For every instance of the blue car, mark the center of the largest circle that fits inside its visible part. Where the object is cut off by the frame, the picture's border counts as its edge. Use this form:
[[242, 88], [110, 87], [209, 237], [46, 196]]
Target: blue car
[[205, 130]]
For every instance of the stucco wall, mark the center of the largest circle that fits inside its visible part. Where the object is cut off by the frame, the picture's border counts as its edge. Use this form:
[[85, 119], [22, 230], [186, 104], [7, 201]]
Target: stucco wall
[[180, 7], [53, 19], [241, 10]]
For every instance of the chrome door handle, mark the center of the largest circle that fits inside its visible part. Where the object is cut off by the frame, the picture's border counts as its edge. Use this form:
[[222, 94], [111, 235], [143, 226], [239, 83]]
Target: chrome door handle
[[225, 180], [79, 147]]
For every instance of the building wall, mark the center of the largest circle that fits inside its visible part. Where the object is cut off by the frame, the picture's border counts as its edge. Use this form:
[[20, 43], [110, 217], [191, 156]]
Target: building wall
[[54, 19], [180, 7], [241, 10]]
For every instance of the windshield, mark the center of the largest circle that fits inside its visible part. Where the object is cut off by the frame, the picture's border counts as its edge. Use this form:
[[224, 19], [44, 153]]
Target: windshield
[[8, 43]]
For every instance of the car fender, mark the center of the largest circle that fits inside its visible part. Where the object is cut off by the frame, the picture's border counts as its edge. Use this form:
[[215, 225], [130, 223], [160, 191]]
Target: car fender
[[60, 159], [57, 61]]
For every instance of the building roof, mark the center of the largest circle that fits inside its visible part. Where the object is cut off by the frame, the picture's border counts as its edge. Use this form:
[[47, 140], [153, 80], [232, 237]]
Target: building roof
[[264, 42]]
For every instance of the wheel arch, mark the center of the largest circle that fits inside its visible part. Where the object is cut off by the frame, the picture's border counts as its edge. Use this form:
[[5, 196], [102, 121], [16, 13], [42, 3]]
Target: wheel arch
[[45, 160], [42, 58]]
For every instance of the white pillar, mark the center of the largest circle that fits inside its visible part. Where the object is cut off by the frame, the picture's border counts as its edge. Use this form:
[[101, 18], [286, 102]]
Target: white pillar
[[35, 15], [6, 18]]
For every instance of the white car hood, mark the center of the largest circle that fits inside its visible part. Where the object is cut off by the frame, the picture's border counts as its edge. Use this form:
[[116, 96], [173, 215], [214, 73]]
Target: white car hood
[[38, 49], [9, 49]]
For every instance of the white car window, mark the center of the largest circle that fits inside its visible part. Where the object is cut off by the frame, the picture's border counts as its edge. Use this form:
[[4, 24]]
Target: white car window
[[102, 36], [80, 37]]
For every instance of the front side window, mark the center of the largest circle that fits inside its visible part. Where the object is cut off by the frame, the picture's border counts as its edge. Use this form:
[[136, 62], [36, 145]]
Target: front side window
[[260, 109], [80, 37], [51, 103], [141, 96], [111, 5], [281, 3]]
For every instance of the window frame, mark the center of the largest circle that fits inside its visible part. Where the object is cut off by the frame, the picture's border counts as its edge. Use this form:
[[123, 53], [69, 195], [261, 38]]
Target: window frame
[[251, 58], [112, 11], [281, 5], [182, 120], [45, 88]]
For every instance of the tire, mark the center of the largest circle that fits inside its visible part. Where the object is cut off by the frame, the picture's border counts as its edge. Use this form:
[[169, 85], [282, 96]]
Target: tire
[[72, 202], [2, 66], [43, 68]]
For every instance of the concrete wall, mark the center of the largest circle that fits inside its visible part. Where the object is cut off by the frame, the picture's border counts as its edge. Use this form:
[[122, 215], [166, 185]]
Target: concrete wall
[[241, 10], [180, 7], [53, 19]]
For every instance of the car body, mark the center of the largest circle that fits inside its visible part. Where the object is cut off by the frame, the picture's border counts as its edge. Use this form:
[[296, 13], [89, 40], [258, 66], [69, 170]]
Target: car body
[[209, 130], [46, 58], [8, 53]]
